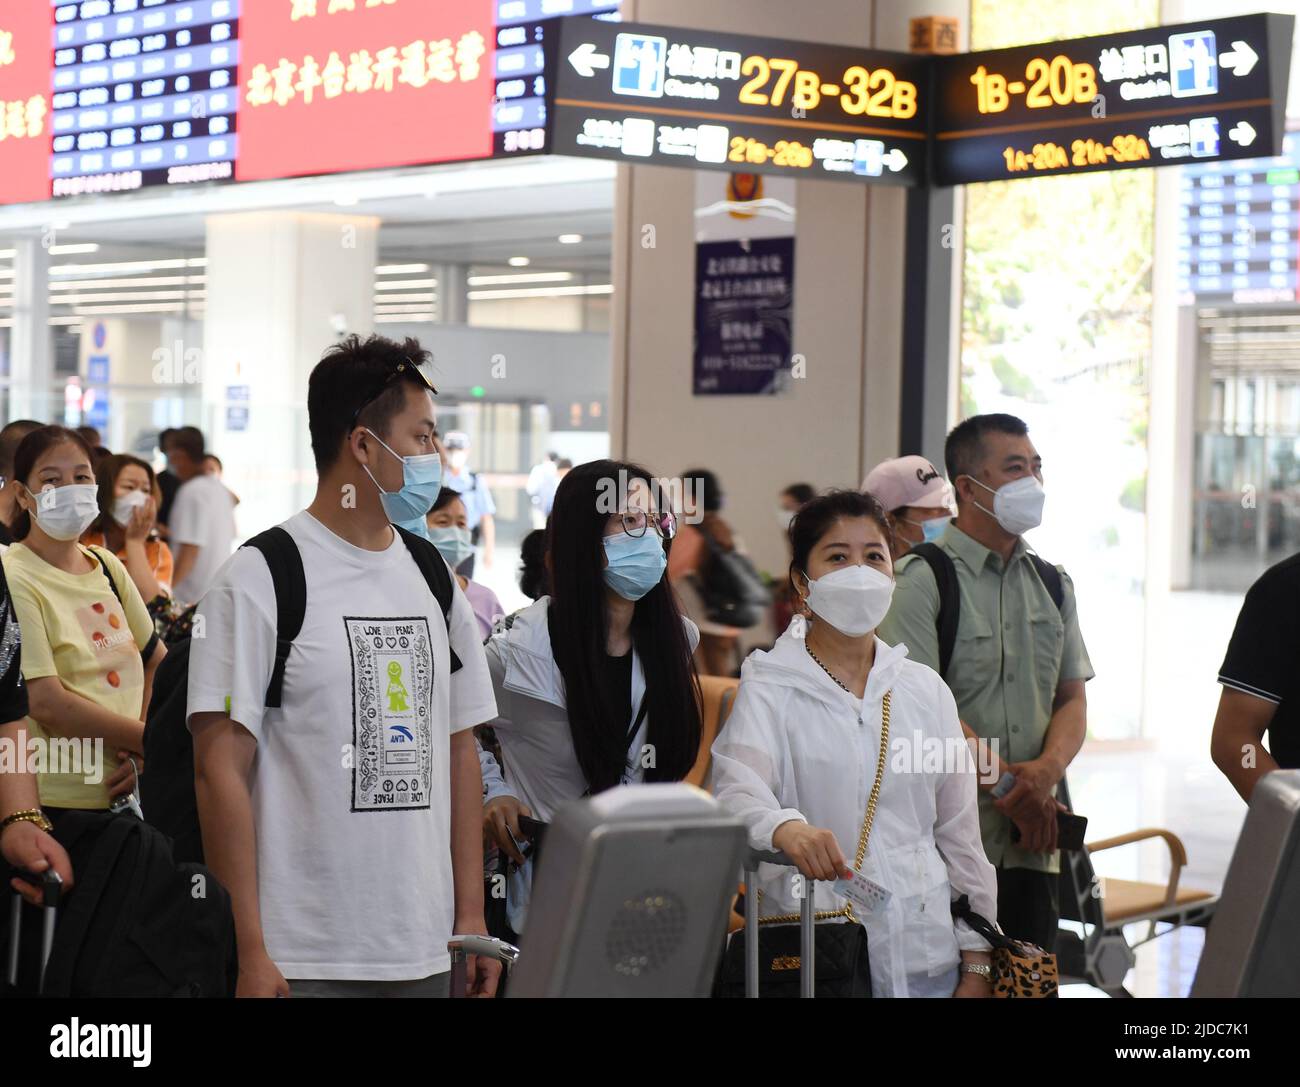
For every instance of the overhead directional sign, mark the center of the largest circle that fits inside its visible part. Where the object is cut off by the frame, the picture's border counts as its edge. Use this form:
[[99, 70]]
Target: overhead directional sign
[[649, 94], [1196, 92]]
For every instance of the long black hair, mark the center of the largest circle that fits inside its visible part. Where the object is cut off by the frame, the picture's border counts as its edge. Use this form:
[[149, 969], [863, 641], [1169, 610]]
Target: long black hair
[[579, 626]]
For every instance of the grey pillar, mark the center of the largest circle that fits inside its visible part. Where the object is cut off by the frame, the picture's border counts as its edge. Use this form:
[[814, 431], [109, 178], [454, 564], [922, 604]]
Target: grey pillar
[[31, 354]]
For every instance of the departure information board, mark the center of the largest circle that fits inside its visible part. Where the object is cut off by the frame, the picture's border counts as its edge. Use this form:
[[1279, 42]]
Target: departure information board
[[1209, 90], [519, 101], [101, 96], [142, 94], [1239, 230], [649, 94], [111, 95]]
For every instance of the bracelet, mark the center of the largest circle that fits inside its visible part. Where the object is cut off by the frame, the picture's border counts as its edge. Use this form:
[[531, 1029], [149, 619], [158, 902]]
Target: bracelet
[[983, 969], [28, 815]]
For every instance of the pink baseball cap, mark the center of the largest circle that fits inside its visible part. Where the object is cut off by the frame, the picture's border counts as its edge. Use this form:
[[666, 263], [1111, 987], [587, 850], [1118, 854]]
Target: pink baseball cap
[[908, 481]]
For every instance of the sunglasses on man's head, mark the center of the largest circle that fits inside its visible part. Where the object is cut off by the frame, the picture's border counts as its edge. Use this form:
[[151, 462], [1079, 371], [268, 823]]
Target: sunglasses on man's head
[[404, 367]]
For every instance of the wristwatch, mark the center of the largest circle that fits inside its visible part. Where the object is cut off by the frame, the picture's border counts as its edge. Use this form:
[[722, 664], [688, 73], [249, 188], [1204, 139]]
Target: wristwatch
[[30, 815], [982, 968]]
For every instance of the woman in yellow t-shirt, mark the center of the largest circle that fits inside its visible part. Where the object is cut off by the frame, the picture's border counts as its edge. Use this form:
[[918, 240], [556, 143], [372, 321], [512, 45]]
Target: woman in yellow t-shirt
[[89, 648], [128, 511]]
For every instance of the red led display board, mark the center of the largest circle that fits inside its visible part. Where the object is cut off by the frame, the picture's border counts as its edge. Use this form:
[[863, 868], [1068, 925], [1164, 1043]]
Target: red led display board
[[328, 87], [24, 101]]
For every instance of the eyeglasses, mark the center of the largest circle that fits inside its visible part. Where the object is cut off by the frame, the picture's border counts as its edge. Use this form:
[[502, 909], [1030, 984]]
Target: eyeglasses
[[403, 367], [635, 521]]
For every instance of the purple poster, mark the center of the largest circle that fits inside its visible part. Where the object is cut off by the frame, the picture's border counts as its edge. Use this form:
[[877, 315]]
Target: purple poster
[[744, 294]]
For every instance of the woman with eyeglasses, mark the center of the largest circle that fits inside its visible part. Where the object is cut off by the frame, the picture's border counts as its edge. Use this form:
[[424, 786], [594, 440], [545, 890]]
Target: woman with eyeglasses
[[595, 683]]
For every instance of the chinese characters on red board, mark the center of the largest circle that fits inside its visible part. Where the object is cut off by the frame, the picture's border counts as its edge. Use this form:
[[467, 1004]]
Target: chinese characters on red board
[[337, 85]]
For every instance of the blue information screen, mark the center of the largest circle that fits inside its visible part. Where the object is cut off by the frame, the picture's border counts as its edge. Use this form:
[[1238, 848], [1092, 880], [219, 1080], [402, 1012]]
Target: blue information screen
[[143, 93], [1239, 229]]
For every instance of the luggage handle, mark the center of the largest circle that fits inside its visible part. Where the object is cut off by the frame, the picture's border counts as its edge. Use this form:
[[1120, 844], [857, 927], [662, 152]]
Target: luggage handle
[[807, 915], [51, 884], [461, 947]]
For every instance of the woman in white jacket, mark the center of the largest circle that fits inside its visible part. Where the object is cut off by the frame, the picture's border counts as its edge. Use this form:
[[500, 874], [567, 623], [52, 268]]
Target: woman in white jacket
[[595, 684], [798, 759]]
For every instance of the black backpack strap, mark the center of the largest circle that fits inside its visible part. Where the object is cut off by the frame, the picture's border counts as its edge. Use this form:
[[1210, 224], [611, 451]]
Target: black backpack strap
[[1051, 579], [290, 581], [438, 576], [152, 643], [949, 615]]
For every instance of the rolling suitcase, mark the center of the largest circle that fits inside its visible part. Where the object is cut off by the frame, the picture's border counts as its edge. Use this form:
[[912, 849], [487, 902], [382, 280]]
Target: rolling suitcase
[[807, 913], [51, 885], [461, 947], [754, 968]]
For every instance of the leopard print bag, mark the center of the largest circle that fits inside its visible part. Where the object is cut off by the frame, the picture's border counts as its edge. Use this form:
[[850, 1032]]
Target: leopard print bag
[[1020, 969]]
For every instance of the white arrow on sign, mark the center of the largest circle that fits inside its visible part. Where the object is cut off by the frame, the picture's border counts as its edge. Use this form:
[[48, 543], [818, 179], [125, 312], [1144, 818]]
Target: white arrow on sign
[[1240, 60], [1243, 133], [895, 160], [586, 60]]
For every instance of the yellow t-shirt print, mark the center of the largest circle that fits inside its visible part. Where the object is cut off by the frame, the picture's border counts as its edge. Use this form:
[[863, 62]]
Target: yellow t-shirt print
[[110, 639], [396, 691]]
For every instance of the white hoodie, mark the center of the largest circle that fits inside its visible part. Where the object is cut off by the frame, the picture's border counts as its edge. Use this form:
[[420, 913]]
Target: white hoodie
[[542, 768], [797, 746]]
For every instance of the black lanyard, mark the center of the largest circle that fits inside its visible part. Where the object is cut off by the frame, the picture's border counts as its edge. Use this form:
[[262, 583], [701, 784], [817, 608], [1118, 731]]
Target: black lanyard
[[636, 724]]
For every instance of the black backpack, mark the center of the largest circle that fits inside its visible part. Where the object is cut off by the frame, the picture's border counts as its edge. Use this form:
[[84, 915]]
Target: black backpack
[[945, 578], [167, 785], [136, 923], [732, 590]]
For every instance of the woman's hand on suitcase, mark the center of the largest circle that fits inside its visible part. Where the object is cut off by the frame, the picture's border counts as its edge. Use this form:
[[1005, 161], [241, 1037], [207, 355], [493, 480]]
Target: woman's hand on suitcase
[[25, 846], [814, 850], [259, 976], [122, 780], [501, 820]]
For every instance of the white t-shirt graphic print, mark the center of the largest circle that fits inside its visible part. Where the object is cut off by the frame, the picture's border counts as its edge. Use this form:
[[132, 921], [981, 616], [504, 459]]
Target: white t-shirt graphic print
[[392, 670], [351, 781]]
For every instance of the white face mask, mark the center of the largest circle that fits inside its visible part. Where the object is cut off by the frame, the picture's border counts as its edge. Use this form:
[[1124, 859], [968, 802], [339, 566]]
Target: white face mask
[[783, 518], [124, 505], [854, 600], [64, 513], [1018, 505]]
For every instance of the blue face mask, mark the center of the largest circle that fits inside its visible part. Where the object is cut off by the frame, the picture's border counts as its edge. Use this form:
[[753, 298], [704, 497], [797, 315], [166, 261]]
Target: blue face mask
[[636, 564], [454, 543], [932, 529], [421, 482], [417, 525]]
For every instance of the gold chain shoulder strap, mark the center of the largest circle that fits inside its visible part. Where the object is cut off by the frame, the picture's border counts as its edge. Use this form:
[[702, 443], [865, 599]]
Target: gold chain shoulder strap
[[863, 837]]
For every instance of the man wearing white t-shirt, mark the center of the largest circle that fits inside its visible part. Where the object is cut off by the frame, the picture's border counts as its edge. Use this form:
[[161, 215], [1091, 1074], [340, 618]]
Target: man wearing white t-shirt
[[347, 824], [202, 518]]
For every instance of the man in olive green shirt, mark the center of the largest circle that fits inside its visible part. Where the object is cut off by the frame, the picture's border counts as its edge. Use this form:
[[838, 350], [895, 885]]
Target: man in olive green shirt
[[1018, 666]]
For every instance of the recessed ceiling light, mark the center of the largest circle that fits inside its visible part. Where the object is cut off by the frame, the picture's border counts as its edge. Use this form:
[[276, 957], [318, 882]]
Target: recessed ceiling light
[[346, 201], [519, 262], [570, 239]]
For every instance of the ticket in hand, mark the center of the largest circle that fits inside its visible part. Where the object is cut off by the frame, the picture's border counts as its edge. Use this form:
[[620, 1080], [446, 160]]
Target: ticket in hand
[[863, 892]]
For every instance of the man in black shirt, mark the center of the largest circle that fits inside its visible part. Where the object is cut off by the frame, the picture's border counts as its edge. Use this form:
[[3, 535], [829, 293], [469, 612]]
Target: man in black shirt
[[1259, 677]]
